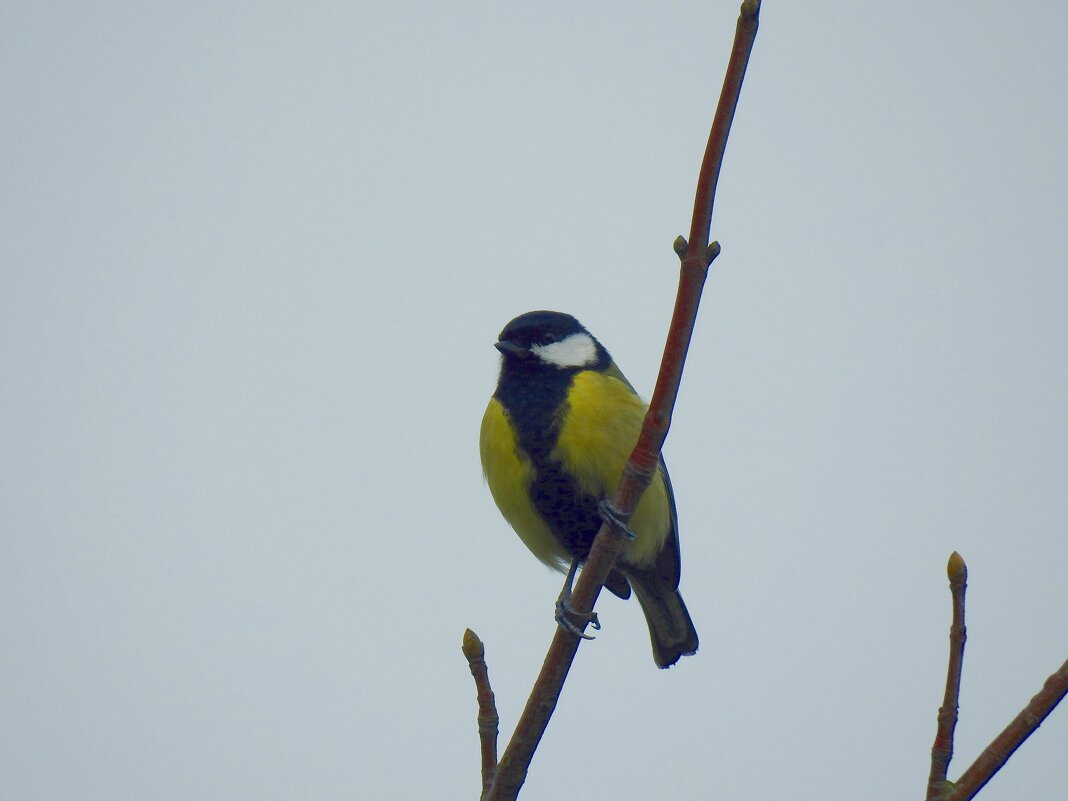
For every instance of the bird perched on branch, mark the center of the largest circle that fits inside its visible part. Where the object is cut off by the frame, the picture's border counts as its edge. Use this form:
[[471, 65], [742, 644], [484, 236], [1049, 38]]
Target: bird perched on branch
[[555, 439]]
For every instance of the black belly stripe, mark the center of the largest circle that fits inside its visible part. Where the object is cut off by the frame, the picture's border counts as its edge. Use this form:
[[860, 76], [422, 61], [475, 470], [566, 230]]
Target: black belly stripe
[[571, 515]]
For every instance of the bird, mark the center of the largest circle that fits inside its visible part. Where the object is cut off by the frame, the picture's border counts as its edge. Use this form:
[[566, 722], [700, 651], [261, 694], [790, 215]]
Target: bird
[[555, 438]]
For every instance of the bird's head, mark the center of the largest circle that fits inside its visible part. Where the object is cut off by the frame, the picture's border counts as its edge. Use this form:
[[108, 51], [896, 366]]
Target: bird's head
[[548, 339]]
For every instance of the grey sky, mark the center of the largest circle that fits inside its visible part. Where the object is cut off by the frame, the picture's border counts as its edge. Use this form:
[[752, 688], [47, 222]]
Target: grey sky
[[254, 259]]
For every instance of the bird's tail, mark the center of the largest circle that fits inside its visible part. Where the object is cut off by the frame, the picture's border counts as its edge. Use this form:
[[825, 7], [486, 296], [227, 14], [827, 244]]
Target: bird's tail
[[670, 627]]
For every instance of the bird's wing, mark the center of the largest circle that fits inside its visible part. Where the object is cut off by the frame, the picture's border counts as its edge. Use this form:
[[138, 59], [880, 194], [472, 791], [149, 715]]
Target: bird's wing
[[667, 564]]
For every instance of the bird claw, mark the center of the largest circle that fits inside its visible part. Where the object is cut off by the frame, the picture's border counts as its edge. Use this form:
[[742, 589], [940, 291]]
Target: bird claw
[[610, 514], [564, 614]]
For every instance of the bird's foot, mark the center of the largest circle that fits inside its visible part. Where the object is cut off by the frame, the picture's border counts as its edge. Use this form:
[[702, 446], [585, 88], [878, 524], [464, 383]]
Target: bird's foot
[[610, 514], [566, 614]]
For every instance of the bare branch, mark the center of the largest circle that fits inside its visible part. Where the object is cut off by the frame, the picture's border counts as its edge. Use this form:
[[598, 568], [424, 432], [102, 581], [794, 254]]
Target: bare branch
[[488, 721], [942, 751], [1006, 743]]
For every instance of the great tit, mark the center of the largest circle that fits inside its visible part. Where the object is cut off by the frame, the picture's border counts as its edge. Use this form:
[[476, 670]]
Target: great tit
[[555, 438]]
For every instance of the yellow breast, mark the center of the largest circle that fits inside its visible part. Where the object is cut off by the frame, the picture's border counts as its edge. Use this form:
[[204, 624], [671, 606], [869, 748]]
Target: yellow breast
[[599, 430], [509, 473]]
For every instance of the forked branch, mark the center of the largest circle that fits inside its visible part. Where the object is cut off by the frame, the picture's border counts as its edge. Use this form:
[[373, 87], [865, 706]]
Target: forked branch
[[1005, 744]]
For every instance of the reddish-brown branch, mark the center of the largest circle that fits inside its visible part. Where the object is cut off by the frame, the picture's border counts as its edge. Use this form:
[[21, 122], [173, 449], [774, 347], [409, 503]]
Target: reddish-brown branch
[[1006, 743], [475, 652], [512, 769], [744, 36], [942, 751]]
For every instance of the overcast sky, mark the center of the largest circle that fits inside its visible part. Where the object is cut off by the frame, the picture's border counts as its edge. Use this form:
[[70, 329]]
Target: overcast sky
[[254, 258]]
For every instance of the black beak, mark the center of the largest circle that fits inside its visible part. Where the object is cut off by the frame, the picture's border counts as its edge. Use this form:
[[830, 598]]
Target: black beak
[[509, 347]]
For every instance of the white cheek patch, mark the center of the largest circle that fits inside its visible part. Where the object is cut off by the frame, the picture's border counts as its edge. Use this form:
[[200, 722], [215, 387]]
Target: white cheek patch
[[576, 350]]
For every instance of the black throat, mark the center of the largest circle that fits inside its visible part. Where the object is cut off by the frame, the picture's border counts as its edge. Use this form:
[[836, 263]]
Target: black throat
[[535, 397]]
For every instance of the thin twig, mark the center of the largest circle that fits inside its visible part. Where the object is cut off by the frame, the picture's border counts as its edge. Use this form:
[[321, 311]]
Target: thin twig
[[488, 721], [1006, 743], [942, 751], [512, 769]]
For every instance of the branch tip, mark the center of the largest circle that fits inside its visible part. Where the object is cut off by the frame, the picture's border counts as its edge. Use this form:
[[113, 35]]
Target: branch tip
[[472, 646], [750, 8]]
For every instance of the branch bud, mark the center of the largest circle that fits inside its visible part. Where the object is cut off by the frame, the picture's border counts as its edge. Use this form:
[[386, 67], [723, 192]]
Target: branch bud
[[473, 647], [956, 569], [711, 252]]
